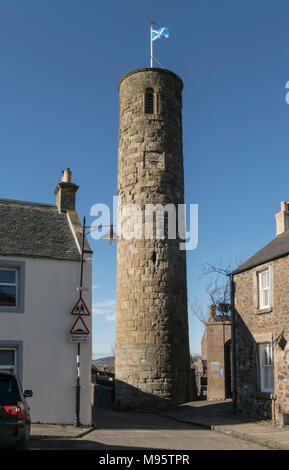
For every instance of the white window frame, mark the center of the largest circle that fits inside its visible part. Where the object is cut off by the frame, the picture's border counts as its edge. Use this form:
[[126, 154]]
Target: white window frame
[[19, 266], [264, 290], [15, 359], [267, 367], [10, 284]]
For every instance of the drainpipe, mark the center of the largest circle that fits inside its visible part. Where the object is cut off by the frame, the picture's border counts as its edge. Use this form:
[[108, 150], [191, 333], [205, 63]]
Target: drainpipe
[[233, 339], [273, 374]]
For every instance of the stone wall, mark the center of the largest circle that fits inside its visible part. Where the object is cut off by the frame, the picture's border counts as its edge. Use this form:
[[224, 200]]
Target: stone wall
[[217, 335], [152, 349], [255, 326]]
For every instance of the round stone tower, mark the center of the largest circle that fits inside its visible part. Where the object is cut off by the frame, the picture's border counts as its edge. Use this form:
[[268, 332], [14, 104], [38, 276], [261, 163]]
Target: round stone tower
[[152, 346]]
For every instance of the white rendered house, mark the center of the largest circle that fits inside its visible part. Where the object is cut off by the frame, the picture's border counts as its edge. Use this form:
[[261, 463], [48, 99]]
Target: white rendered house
[[40, 260]]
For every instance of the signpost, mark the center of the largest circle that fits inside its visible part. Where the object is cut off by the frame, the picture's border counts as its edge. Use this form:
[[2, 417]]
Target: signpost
[[79, 332]]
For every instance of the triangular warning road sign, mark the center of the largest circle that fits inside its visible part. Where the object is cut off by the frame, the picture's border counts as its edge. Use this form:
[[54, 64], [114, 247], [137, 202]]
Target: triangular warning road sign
[[79, 327], [80, 308]]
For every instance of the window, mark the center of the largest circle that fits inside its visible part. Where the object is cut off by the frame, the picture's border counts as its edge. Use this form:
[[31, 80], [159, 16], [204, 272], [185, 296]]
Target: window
[[8, 287], [7, 358], [215, 368], [266, 368], [264, 289], [149, 101], [12, 286], [11, 355]]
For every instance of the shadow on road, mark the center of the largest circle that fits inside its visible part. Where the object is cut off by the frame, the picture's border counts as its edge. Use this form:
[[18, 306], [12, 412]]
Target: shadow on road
[[200, 413]]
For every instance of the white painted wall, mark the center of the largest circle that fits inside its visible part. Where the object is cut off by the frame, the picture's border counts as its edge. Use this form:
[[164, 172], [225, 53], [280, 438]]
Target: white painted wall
[[49, 359]]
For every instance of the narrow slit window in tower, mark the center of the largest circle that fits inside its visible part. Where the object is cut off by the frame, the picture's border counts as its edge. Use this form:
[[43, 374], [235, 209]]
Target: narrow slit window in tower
[[149, 101]]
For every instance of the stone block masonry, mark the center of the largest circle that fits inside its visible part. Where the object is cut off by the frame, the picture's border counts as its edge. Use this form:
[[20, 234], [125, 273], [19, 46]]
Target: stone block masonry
[[254, 326], [152, 346]]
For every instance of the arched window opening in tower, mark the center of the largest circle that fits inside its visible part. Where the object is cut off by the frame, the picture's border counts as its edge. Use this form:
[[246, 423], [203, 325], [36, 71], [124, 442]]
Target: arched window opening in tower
[[149, 101]]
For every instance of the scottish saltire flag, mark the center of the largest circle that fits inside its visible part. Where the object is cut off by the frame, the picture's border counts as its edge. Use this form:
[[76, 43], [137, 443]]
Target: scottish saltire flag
[[158, 33]]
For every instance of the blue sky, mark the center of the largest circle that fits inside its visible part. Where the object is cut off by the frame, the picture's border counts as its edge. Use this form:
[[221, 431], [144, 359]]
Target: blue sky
[[60, 62]]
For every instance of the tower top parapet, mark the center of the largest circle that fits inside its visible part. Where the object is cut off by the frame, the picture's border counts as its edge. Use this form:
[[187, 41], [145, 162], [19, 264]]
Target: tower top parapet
[[151, 69]]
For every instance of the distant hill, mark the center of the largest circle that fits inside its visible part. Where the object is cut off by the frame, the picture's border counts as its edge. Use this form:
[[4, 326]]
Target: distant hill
[[104, 362]]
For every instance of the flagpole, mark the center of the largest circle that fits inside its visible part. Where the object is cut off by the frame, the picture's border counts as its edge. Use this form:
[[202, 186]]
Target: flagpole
[[151, 46]]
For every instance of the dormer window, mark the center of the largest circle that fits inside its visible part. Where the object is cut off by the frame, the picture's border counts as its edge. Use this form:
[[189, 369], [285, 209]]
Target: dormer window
[[149, 101]]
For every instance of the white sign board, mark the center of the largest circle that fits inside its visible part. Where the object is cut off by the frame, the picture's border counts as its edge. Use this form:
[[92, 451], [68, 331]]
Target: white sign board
[[79, 338]]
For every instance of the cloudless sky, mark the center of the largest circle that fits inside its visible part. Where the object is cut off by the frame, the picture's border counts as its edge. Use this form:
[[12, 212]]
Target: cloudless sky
[[60, 61]]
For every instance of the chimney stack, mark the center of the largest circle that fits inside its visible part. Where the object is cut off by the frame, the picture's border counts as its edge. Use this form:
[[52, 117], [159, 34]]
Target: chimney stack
[[282, 219], [213, 312], [65, 192]]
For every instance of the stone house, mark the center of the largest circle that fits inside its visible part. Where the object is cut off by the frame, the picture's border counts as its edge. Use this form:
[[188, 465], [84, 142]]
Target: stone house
[[40, 254], [199, 377], [261, 327], [216, 350], [200, 365]]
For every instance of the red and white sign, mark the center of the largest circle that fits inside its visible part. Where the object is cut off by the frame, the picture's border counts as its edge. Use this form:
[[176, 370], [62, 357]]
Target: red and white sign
[[80, 308], [79, 332], [79, 327]]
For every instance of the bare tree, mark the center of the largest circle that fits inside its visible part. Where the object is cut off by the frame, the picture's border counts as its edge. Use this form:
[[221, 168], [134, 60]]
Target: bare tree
[[199, 312], [218, 291]]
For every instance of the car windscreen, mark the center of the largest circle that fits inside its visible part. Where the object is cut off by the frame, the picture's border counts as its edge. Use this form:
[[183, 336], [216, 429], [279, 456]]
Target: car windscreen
[[9, 390]]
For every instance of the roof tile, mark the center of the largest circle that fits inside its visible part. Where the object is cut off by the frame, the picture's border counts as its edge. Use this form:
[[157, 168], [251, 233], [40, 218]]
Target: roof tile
[[35, 230], [277, 248]]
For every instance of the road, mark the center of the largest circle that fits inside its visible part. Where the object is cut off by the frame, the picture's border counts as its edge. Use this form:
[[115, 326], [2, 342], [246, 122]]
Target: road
[[135, 431]]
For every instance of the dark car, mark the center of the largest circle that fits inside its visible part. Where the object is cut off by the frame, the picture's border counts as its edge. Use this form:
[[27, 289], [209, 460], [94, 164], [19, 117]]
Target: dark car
[[14, 411]]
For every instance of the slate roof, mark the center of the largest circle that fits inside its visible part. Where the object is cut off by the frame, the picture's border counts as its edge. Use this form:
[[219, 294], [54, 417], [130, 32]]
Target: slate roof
[[35, 230], [277, 248]]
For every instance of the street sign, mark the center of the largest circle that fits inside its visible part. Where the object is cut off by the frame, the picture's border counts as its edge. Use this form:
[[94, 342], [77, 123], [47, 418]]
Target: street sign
[[80, 308], [79, 332]]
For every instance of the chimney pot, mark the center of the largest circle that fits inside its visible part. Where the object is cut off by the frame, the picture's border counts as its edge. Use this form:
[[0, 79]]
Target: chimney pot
[[66, 176]]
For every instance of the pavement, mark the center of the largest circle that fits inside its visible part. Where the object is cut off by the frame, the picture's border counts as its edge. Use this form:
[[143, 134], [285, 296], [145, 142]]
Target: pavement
[[58, 431], [212, 416], [219, 416]]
